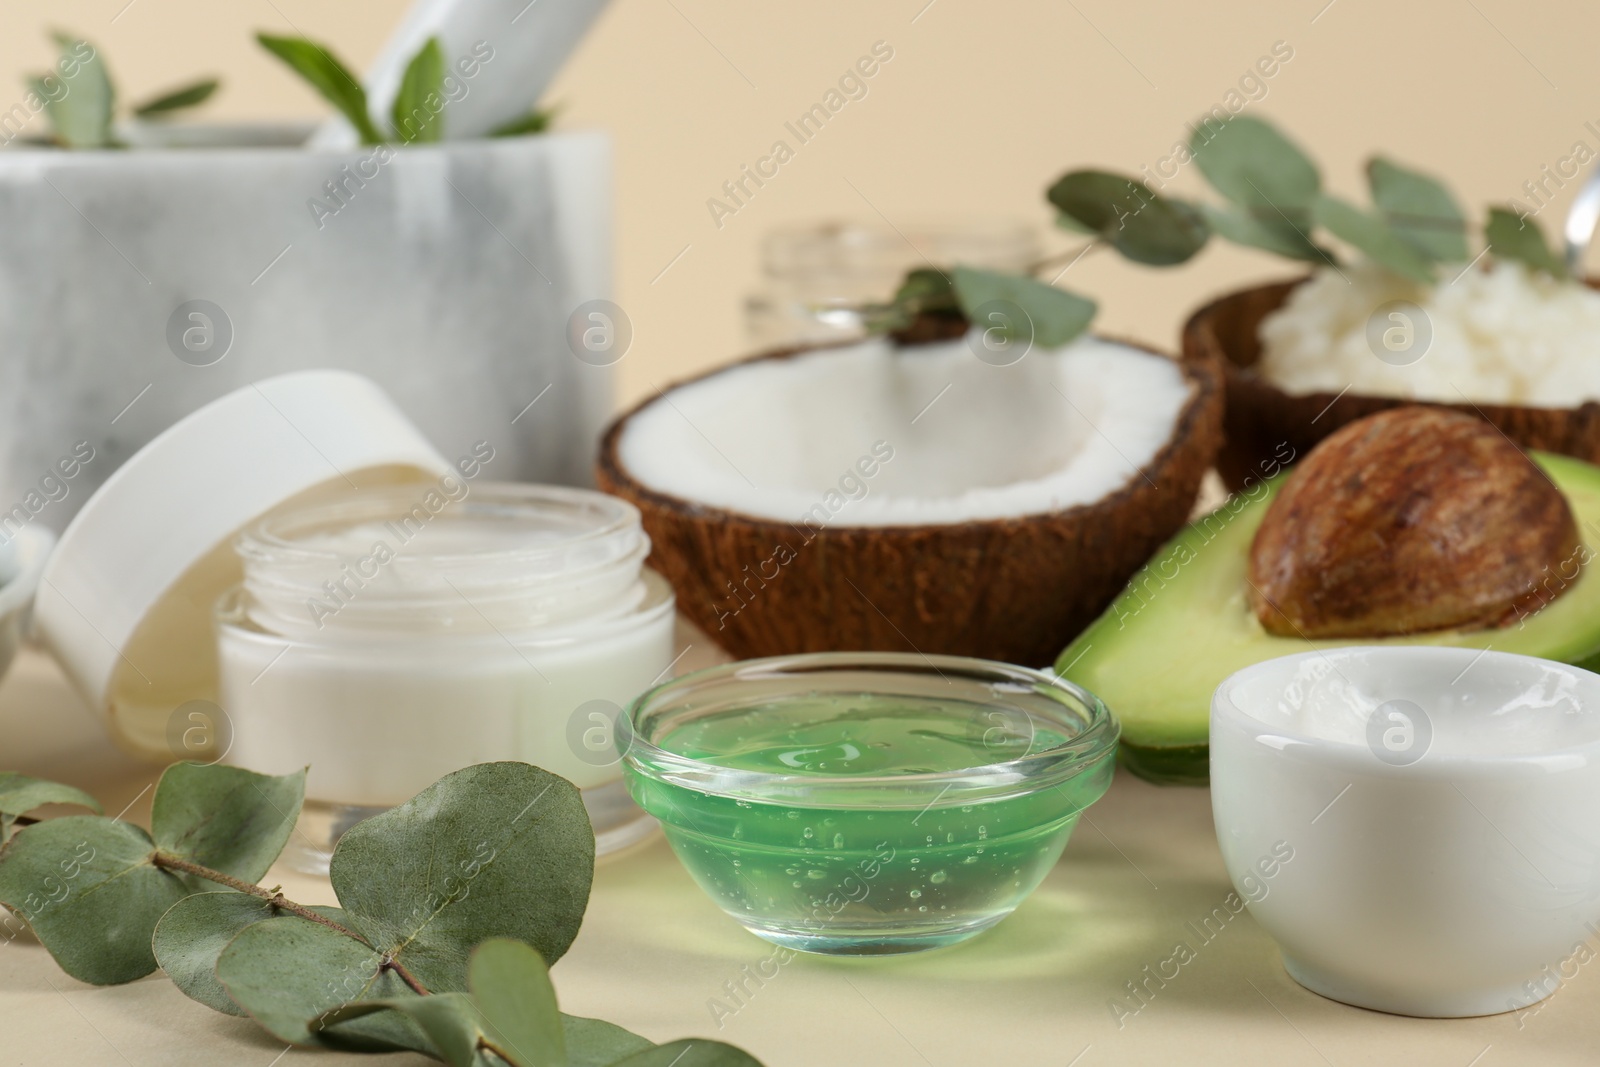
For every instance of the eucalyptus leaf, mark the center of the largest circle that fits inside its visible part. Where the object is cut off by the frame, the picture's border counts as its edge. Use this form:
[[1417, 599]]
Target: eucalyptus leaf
[[690, 1052], [450, 1020], [511, 987], [1248, 161], [597, 1043], [414, 121], [286, 973], [86, 885], [328, 76], [81, 117], [178, 99], [1373, 237], [1419, 210], [493, 850], [537, 120], [1125, 212], [926, 289], [193, 933], [1071, 225], [226, 818], [1053, 316], [20, 794], [1273, 233], [1511, 236]]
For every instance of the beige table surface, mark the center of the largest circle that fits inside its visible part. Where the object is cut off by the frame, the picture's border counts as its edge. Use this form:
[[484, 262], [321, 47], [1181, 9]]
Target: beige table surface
[[655, 951]]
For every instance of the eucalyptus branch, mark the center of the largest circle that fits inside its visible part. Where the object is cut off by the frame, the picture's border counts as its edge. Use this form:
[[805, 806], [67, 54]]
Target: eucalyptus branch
[[65, 878], [170, 862]]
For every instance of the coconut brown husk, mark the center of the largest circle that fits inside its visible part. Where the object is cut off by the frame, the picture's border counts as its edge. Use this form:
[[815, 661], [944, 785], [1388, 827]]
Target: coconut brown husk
[[1267, 427], [1016, 590]]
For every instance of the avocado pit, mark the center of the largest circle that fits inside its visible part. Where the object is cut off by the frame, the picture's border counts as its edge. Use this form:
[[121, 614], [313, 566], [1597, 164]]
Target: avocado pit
[[1412, 520]]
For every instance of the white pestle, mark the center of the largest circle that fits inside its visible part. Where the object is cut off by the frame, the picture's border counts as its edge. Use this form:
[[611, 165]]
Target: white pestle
[[530, 40]]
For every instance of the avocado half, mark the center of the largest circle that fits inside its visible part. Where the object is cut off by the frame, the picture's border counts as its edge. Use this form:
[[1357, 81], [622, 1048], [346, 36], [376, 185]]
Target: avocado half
[[1183, 624]]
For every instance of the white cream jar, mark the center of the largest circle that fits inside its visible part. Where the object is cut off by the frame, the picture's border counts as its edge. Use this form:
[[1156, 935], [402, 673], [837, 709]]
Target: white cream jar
[[393, 635]]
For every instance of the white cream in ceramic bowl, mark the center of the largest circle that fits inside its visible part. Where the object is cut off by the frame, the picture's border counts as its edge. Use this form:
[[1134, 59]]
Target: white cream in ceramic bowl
[[1440, 809]]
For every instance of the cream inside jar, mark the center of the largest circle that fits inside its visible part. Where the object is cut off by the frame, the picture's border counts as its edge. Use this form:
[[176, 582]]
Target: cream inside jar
[[393, 636]]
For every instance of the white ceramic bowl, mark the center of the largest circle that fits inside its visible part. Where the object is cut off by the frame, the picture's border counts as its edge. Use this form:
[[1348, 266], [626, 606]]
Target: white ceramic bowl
[[1418, 828]]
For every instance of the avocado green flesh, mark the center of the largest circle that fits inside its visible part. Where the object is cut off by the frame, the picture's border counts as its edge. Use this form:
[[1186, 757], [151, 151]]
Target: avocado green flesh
[[1184, 624]]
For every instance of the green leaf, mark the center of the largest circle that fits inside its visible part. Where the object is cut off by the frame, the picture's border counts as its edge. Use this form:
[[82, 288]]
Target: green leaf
[[511, 986], [1419, 210], [226, 818], [87, 887], [690, 1052], [20, 794], [193, 933], [926, 289], [1248, 161], [81, 118], [1273, 233], [414, 121], [1138, 222], [1072, 225], [1511, 236], [328, 76], [286, 973], [450, 1020], [178, 99], [597, 1043], [537, 120], [493, 850], [1373, 237], [1054, 316]]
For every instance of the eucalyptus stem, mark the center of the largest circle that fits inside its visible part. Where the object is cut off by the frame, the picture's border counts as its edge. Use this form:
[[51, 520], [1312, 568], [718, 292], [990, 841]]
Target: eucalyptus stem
[[489, 1046], [405, 976], [177, 863], [1064, 258]]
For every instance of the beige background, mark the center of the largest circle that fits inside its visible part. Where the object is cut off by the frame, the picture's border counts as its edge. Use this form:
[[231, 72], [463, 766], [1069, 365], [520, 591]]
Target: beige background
[[982, 106]]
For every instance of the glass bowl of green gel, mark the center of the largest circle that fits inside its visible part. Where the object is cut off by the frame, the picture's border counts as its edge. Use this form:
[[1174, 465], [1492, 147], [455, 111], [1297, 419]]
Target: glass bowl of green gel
[[868, 803]]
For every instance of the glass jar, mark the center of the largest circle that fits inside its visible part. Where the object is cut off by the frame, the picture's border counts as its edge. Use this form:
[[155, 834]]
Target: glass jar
[[817, 277], [393, 636]]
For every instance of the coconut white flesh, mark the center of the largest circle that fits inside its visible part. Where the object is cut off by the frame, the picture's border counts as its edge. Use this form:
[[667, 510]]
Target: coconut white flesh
[[966, 440]]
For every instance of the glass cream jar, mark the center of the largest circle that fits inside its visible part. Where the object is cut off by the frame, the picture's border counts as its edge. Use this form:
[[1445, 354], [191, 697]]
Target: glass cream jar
[[394, 635]]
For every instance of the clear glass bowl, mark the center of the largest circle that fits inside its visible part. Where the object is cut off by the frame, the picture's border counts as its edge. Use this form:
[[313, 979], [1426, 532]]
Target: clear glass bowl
[[868, 803]]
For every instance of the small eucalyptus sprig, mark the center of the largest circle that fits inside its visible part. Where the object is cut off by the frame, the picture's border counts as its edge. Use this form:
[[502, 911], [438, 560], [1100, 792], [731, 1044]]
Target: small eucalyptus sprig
[[1273, 201], [450, 907], [417, 115], [79, 99]]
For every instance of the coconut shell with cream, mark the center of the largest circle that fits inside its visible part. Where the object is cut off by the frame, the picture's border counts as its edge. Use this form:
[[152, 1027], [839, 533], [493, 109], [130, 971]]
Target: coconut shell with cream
[[1265, 422]]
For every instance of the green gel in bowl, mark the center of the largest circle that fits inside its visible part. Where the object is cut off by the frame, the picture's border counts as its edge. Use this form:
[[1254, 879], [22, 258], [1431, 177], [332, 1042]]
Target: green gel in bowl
[[868, 803]]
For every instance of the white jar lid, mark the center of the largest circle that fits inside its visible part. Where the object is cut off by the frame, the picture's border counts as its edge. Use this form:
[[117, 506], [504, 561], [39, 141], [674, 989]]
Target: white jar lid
[[126, 600]]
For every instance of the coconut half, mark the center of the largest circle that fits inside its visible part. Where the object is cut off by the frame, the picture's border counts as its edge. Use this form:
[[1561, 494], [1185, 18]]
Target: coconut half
[[877, 497], [1268, 427]]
